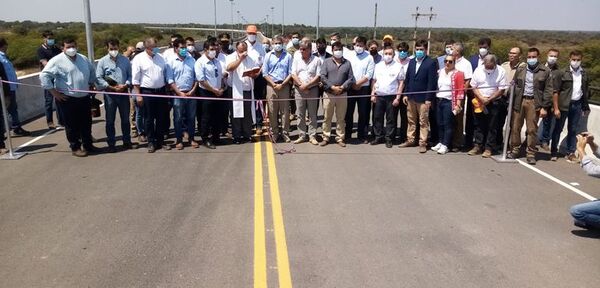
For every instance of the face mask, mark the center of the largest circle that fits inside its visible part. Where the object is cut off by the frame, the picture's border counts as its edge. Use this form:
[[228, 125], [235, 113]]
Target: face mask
[[295, 41], [338, 54], [483, 51], [155, 50], [183, 52], [191, 48], [277, 47], [321, 50], [212, 54], [575, 64], [332, 42], [420, 54], [225, 46], [267, 47], [552, 60], [488, 71], [403, 54], [448, 51], [373, 52], [113, 53], [532, 61], [359, 50], [252, 38], [50, 42], [387, 58], [71, 52]]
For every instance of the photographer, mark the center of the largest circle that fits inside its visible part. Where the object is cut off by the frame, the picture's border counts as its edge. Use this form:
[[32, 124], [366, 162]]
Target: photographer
[[587, 215]]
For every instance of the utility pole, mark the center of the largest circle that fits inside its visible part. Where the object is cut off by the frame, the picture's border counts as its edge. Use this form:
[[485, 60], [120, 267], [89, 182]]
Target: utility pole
[[282, 15], [215, 4], [231, 2], [416, 16], [375, 25], [319, 17], [89, 36], [272, 20]]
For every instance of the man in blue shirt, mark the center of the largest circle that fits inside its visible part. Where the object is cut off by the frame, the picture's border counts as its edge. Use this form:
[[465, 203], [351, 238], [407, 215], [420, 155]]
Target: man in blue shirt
[[113, 74], [64, 74], [209, 74], [11, 76], [277, 70], [182, 80]]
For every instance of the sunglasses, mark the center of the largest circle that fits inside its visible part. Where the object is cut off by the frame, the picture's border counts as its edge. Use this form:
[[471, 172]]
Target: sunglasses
[[449, 61]]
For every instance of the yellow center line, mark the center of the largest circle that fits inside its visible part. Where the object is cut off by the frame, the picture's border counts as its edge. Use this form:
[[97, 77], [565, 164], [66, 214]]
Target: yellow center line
[[283, 264], [260, 248]]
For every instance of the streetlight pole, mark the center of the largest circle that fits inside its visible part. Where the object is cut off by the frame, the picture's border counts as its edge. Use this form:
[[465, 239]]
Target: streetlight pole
[[318, 16], [231, 1], [272, 20], [89, 36], [282, 15], [215, 4]]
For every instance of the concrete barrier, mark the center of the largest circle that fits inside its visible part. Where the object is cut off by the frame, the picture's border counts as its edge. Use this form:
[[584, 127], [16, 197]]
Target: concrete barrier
[[30, 100]]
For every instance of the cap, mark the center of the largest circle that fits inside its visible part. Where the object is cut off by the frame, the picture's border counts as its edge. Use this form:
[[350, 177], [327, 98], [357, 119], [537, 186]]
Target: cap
[[139, 45], [251, 29], [388, 37]]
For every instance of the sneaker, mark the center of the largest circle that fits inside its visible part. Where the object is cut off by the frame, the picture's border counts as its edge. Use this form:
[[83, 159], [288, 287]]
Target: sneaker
[[487, 153], [407, 144], [442, 150], [286, 138], [313, 141], [324, 142], [476, 150], [79, 153], [300, 139], [437, 147], [19, 131], [422, 149]]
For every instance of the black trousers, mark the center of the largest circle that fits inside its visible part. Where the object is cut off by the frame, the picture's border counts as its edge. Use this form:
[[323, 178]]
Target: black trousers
[[77, 116], [383, 107], [364, 111], [433, 128], [211, 116], [469, 121], [226, 110], [242, 127], [402, 130], [156, 115], [487, 124], [260, 93]]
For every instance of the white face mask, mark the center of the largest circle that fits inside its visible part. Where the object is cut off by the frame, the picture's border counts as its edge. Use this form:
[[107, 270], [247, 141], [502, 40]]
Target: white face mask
[[388, 58], [71, 52], [332, 41], [338, 54], [113, 53], [575, 64], [359, 50], [448, 51], [552, 60], [212, 54], [191, 48], [251, 38], [277, 47], [483, 51], [488, 71]]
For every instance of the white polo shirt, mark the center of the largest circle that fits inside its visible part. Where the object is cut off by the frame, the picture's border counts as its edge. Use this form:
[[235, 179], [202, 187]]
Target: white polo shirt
[[387, 76], [488, 82], [463, 65], [148, 71]]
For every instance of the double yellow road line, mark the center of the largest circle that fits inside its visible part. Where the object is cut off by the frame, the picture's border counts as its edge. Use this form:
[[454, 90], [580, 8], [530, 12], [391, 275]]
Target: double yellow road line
[[260, 247]]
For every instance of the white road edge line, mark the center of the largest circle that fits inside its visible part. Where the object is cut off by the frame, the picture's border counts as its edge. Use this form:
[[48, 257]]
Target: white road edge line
[[36, 139], [558, 181]]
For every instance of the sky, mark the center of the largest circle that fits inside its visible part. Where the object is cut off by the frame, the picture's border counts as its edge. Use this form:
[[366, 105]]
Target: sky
[[575, 15]]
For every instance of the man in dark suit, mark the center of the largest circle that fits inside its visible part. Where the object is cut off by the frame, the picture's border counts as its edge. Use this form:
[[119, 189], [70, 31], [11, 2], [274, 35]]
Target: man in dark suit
[[420, 76]]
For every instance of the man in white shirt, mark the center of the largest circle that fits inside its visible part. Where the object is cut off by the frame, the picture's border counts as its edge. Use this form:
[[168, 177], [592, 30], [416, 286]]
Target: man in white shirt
[[489, 83], [149, 73], [363, 67], [306, 71], [387, 87], [242, 70]]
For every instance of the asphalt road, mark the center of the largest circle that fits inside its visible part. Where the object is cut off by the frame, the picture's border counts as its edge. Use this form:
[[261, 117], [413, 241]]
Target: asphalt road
[[241, 216]]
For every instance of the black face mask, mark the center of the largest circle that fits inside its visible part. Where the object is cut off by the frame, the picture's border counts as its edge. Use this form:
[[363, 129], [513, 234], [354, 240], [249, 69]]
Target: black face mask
[[321, 50], [373, 52], [225, 46]]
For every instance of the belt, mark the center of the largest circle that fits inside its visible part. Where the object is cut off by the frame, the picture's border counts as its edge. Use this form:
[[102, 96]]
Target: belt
[[161, 89], [528, 97]]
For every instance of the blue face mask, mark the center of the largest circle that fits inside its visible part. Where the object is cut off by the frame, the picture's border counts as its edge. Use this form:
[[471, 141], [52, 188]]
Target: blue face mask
[[183, 52], [295, 41], [532, 61], [420, 54], [403, 54], [50, 42], [155, 50]]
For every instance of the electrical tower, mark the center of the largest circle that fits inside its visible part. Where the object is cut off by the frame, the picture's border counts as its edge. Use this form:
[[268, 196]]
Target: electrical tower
[[418, 15]]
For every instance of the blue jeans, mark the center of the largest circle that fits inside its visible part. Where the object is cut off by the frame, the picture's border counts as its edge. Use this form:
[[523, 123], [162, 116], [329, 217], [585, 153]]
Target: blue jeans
[[587, 214], [184, 110], [12, 110], [48, 100], [545, 129], [574, 117], [111, 104], [140, 123], [559, 124], [445, 121]]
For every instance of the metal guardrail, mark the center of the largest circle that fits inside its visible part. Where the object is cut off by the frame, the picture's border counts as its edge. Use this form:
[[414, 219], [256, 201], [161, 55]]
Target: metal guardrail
[[595, 95]]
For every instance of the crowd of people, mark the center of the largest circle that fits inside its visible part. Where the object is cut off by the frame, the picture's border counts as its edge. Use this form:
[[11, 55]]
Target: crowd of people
[[446, 104]]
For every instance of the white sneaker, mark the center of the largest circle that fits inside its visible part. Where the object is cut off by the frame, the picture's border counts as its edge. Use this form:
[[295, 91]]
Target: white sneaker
[[442, 150], [437, 147]]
